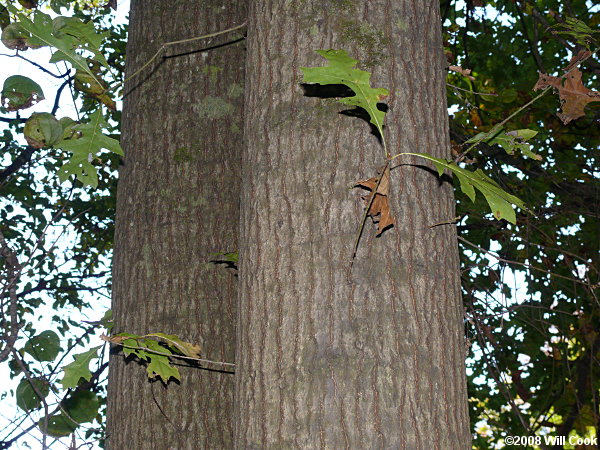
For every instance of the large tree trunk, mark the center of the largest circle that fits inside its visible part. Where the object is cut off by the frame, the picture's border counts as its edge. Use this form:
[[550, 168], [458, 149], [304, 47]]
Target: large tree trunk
[[331, 356], [178, 201]]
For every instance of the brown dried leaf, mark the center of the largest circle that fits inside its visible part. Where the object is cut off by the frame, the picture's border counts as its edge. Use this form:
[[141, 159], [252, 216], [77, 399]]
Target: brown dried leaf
[[574, 96], [380, 208], [464, 72], [113, 339]]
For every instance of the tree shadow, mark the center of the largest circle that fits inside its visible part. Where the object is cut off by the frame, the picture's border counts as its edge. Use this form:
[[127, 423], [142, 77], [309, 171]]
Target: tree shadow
[[150, 71], [340, 91]]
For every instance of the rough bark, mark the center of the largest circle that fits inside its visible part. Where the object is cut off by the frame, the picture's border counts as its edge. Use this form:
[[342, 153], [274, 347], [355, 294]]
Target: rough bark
[[329, 356], [178, 201]]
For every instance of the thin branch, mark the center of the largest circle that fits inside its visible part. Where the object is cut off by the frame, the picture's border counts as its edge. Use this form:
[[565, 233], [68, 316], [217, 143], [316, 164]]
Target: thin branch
[[13, 272], [37, 392], [58, 93], [42, 68], [527, 266], [470, 91], [19, 162], [83, 386], [9, 120], [494, 371], [532, 45], [181, 41]]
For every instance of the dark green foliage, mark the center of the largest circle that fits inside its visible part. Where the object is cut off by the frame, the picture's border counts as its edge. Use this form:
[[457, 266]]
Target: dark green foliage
[[553, 317]]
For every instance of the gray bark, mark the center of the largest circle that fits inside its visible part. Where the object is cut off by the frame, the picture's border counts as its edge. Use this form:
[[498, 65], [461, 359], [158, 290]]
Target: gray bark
[[329, 356], [178, 201]]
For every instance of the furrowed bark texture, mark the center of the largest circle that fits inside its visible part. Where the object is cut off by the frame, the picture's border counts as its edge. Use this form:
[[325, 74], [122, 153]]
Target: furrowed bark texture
[[178, 201], [329, 356]]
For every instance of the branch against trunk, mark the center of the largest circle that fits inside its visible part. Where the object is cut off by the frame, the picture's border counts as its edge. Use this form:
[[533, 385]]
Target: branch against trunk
[[330, 357]]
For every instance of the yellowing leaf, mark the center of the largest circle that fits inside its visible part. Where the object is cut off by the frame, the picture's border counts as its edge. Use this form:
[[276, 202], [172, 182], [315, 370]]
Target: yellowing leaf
[[183, 347]]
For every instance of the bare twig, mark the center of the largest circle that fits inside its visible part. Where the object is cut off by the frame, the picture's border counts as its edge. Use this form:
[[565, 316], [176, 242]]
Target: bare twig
[[13, 272], [470, 91], [25, 370], [527, 266], [181, 41], [39, 66]]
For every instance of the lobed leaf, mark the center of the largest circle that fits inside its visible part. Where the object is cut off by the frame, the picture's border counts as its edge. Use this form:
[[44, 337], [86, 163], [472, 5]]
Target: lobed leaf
[[341, 71], [510, 141], [499, 200], [42, 31], [161, 366], [90, 141], [79, 368]]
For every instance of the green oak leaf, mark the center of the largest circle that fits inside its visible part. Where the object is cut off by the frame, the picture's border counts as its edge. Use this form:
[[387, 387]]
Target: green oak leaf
[[132, 347], [510, 141], [58, 426], [42, 29], [82, 406], [43, 347], [20, 92], [27, 398], [85, 33], [160, 366], [88, 140], [499, 200], [341, 71], [79, 368]]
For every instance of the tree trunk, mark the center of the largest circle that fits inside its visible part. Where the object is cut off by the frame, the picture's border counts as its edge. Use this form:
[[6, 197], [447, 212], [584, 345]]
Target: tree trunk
[[331, 356], [178, 201]]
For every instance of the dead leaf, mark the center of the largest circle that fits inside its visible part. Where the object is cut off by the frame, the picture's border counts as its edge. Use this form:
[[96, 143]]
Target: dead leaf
[[113, 339], [464, 72], [574, 96], [475, 119], [380, 208]]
